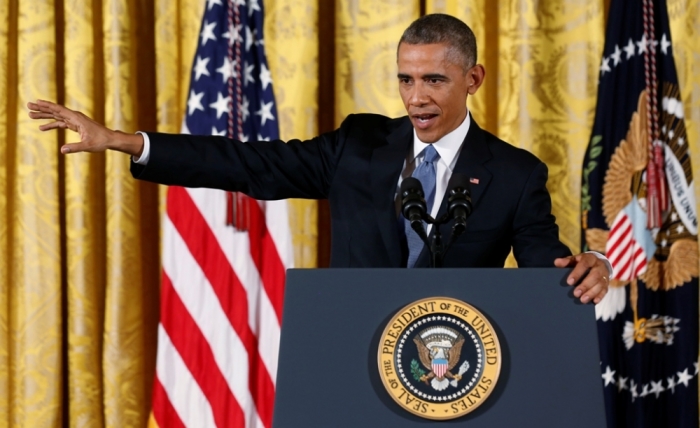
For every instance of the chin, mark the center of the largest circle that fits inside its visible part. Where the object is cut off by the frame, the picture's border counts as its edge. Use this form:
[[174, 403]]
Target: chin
[[427, 138]]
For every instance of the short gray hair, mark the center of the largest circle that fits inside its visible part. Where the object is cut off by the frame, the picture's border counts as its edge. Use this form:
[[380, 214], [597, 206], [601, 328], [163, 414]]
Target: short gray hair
[[441, 28]]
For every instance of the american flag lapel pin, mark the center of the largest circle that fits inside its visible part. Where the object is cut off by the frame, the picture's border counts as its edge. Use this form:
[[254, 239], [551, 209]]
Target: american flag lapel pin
[[474, 180]]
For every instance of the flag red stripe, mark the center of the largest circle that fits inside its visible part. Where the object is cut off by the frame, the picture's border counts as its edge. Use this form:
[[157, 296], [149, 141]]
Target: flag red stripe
[[640, 261], [205, 249], [197, 355], [623, 235], [163, 410], [623, 272], [266, 258]]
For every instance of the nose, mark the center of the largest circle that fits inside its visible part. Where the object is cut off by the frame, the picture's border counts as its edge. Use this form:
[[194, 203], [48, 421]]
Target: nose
[[419, 95]]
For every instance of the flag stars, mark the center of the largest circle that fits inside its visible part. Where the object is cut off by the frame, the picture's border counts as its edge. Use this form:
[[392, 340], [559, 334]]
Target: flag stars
[[633, 390], [248, 74], [216, 132], [221, 105], [227, 69], [642, 44], [261, 138], [681, 141], [680, 229], [253, 7], [671, 384], [245, 109], [265, 112], [233, 34], [208, 32], [616, 56], [629, 49], [194, 103], [609, 376], [671, 134], [249, 38], [674, 216], [653, 44], [265, 77], [604, 67], [212, 3], [656, 388], [665, 43], [200, 68], [645, 391], [621, 383], [684, 377]]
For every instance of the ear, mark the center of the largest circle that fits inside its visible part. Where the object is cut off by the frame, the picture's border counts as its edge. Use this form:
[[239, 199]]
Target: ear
[[475, 77]]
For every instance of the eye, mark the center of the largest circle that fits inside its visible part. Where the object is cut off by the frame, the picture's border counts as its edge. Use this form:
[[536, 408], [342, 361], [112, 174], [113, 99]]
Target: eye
[[404, 80]]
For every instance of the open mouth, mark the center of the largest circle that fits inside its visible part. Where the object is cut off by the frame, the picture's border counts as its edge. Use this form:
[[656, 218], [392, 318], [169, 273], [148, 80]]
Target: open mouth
[[423, 121]]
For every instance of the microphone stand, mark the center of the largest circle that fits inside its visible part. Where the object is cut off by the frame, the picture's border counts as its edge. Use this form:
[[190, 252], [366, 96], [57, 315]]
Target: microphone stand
[[437, 251]]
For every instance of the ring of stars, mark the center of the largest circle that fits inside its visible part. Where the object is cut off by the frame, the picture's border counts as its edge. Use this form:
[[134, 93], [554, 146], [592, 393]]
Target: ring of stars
[[472, 381]]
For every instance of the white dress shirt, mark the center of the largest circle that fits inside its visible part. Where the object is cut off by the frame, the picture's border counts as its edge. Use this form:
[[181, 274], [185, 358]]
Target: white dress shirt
[[448, 147]]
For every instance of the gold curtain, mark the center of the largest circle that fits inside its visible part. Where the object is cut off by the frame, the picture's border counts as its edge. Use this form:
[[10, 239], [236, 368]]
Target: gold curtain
[[79, 263], [79, 266]]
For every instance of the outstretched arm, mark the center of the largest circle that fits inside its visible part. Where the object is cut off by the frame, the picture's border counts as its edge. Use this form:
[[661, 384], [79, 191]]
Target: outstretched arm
[[94, 137]]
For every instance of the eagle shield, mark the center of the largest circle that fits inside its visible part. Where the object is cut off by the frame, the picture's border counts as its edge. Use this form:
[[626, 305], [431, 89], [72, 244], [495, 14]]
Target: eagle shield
[[439, 349]]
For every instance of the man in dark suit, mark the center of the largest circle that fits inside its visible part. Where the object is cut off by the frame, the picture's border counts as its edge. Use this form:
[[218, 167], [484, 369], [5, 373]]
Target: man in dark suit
[[359, 167]]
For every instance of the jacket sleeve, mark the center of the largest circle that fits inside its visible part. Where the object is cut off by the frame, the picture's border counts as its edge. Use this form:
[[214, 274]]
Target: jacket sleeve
[[265, 170], [535, 233]]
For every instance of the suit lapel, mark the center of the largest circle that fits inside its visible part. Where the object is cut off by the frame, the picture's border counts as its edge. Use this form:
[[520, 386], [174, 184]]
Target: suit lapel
[[475, 153], [385, 168]]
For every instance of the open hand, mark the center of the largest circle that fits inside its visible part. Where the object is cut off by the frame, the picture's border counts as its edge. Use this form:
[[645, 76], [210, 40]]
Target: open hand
[[94, 137], [590, 273]]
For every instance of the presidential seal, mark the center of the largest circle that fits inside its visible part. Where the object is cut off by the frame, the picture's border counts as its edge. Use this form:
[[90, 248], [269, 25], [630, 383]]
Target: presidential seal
[[439, 358]]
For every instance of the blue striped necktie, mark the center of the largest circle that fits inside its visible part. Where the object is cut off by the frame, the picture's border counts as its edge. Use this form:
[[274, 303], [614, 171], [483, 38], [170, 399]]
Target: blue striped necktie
[[425, 173]]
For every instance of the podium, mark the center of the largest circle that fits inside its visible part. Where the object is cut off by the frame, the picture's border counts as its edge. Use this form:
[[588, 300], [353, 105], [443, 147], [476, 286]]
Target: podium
[[333, 319]]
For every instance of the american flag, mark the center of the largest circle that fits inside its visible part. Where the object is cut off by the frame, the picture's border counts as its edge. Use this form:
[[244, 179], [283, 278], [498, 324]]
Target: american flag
[[224, 255]]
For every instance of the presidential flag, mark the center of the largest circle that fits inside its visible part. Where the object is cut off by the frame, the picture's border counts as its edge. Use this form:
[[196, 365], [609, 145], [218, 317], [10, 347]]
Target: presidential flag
[[224, 255], [638, 207]]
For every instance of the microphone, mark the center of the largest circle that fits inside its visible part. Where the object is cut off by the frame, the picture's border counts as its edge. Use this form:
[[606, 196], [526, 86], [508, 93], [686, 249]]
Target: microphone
[[413, 204], [459, 203]]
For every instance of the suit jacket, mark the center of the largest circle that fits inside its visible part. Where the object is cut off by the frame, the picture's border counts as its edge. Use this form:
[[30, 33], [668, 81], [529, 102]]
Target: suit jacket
[[357, 167]]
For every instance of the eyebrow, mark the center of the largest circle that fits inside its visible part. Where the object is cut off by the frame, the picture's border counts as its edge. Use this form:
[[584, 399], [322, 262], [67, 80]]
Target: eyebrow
[[425, 76]]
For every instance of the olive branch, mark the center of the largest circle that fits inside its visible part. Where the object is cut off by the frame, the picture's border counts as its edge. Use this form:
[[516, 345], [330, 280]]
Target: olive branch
[[416, 371]]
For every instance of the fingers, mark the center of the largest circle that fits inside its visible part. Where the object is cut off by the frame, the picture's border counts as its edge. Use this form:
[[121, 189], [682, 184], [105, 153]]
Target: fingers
[[565, 262], [593, 287], [589, 274], [74, 148], [53, 125], [592, 275]]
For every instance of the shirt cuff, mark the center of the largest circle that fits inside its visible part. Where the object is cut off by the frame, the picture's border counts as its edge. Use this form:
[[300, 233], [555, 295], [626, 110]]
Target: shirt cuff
[[143, 159], [605, 260]]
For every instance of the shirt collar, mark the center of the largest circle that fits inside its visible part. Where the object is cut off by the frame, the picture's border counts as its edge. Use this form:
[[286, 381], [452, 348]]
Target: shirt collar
[[448, 147]]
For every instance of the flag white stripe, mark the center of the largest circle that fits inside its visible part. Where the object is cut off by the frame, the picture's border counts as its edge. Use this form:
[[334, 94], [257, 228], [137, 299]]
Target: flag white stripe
[[236, 247], [277, 219], [203, 305], [182, 390]]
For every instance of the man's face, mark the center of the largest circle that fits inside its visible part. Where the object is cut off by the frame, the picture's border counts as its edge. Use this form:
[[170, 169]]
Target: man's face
[[433, 89]]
